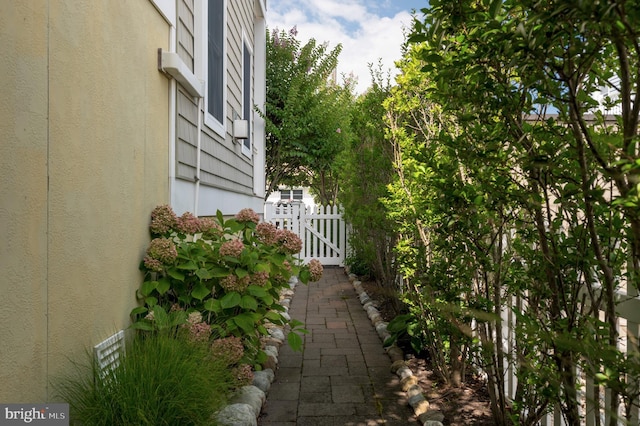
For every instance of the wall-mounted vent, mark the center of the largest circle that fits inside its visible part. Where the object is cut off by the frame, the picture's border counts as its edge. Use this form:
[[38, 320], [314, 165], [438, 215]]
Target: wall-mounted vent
[[108, 353]]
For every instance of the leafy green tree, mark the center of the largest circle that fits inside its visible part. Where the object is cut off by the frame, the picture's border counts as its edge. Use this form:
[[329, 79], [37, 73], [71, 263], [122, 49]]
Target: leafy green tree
[[558, 193], [306, 114], [366, 170]]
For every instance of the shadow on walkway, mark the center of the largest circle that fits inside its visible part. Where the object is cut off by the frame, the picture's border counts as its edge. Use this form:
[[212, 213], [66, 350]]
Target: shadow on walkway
[[342, 377]]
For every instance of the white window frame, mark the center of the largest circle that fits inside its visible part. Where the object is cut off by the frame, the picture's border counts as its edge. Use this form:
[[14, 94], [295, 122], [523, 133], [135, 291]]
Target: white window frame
[[247, 115], [201, 60], [291, 194]]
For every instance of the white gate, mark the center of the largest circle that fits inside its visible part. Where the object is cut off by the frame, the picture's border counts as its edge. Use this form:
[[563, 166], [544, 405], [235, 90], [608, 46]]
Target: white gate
[[322, 229]]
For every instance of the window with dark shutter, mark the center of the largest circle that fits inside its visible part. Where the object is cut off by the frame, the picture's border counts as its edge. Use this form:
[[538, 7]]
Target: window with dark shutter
[[215, 61]]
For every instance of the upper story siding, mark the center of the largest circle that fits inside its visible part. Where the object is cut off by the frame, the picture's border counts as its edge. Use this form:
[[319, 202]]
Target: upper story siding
[[223, 164]]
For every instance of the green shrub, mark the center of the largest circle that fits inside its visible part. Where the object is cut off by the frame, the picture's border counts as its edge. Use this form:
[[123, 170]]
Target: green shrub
[[229, 270], [357, 265], [161, 380]]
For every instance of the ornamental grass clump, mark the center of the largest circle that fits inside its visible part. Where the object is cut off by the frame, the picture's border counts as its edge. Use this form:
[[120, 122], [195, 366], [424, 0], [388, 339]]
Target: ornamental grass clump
[[161, 380], [230, 271]]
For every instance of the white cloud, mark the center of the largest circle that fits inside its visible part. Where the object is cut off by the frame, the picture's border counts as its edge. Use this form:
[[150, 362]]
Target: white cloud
[[365, 36]]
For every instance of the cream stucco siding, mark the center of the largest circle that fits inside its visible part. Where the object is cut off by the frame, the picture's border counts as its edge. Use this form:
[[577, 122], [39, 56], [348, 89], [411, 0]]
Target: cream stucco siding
[[23, 199], [83, 161]]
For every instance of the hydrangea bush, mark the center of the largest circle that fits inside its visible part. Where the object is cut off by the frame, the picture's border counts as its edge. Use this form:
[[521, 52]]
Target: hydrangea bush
[[223, 275]]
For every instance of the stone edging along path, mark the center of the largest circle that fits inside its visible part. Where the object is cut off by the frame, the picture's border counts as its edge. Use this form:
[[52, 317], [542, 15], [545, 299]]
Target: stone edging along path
[[408, 381], [246, 404]]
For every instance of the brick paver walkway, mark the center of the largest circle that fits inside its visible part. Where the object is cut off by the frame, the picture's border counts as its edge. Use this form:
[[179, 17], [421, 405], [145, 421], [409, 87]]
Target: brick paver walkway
[[342, 377]]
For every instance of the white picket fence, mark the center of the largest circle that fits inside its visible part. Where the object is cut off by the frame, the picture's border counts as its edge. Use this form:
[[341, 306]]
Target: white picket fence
[[628, 322], [322, 229]]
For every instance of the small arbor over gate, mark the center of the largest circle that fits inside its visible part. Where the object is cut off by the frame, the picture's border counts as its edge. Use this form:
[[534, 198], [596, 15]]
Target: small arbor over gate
[[322, 229]]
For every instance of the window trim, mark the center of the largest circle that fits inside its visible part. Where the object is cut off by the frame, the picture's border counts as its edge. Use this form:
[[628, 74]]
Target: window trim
[[247, 114], [201, 60], [292, 192]]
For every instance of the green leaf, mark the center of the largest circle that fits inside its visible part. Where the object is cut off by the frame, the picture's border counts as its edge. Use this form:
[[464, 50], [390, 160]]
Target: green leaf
[[160, 316], [163, 285], [204, 274], [389, 341], [148, 287], [274, 317], [248, 302], [200, 291], [190, 266], [175, 274], [295, 341], [218, 272], [213, 305], [432, 58], [263, 267], [427, 68], [493, 9], [261, 357], [241, 273], [230, 300], [305, 276], [296, 323], [138, 310], [257, 291], [151, 301], [142, 325], [417, 38], [601, 378], [245, 321]]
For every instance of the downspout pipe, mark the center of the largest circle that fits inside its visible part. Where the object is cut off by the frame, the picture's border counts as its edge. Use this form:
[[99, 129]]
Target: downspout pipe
[[196, 197]]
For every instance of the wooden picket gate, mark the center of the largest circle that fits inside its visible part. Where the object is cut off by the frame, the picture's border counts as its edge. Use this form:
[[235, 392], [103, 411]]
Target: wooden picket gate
[[322, 229]]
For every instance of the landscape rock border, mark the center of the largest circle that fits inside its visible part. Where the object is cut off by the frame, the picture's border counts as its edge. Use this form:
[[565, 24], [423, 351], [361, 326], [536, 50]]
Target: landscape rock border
[[408, 381], [245, 406]]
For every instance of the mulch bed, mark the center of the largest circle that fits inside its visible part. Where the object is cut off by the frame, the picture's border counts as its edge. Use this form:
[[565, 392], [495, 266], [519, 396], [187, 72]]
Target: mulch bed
[[468, 405]]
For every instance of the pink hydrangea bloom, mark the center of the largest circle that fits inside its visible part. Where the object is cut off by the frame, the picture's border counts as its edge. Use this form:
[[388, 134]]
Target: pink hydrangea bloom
[[210, 228], [315, 269], [194, 318], [162, 249], [153, 264], [247, 215], [267, 233], [175, 308], [289, 241], [243, 374], [260, 278], [188, 224], [229, 348], [232, 248], [233, 283], [163, 220], [199, 332]]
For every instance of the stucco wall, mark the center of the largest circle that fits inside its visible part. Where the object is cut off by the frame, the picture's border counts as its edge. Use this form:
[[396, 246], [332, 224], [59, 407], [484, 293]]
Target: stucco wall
[[83, 161]]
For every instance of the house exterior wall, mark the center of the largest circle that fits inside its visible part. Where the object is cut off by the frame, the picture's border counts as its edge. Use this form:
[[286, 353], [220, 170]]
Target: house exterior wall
[[84, 159], [186, 31], [227, 179]]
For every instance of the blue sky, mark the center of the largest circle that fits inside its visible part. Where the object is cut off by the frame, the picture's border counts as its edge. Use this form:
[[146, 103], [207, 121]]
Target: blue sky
[[369, 30]]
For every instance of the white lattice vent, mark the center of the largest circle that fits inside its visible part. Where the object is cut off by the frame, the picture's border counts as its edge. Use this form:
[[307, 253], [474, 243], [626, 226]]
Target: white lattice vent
[[108, 353]]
